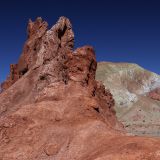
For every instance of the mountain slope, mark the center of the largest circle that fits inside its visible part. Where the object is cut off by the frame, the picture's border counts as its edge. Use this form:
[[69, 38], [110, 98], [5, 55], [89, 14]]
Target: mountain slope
[[130, 85]]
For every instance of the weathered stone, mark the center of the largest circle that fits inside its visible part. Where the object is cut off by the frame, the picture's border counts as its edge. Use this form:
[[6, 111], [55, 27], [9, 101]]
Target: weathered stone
[[51, 149], [42, 46]]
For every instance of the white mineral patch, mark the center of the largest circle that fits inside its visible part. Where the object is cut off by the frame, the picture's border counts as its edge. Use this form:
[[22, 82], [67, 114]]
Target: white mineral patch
[[124, 98], [152, 83]]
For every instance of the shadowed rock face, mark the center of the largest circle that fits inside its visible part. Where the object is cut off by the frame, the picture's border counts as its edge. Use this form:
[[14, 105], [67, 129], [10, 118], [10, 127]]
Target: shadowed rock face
[[56, 109]]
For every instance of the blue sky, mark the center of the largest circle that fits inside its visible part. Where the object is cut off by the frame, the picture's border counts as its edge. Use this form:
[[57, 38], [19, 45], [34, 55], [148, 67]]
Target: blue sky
[[120, 31]]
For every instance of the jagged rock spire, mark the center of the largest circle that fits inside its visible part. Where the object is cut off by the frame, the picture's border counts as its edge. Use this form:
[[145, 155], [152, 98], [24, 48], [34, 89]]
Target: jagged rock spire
[[42, 46]]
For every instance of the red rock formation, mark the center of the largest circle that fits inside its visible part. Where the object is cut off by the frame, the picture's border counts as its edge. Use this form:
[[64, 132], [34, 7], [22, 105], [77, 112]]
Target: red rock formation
[[28, 57], [155, 94], [57, 110], [36, 31], [12, 78], [60, 36]]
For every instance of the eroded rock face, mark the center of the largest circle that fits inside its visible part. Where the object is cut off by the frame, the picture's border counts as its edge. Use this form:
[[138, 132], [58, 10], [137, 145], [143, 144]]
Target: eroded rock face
[[42, 46], [57, 110], [12, 78], [36, 30]]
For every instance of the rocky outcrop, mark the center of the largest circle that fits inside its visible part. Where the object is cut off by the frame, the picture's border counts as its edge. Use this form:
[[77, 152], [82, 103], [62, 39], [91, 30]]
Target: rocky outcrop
[[12, 78], [36, 31], [57, 110], [45, 43]]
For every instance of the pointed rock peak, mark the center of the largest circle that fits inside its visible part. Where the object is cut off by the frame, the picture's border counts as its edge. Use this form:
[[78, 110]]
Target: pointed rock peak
[[37, 28], [64, 32], [43, 46], [62, 22]]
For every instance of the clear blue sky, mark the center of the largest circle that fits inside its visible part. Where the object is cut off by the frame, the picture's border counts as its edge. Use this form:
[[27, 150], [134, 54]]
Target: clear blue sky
[[120, 31]]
